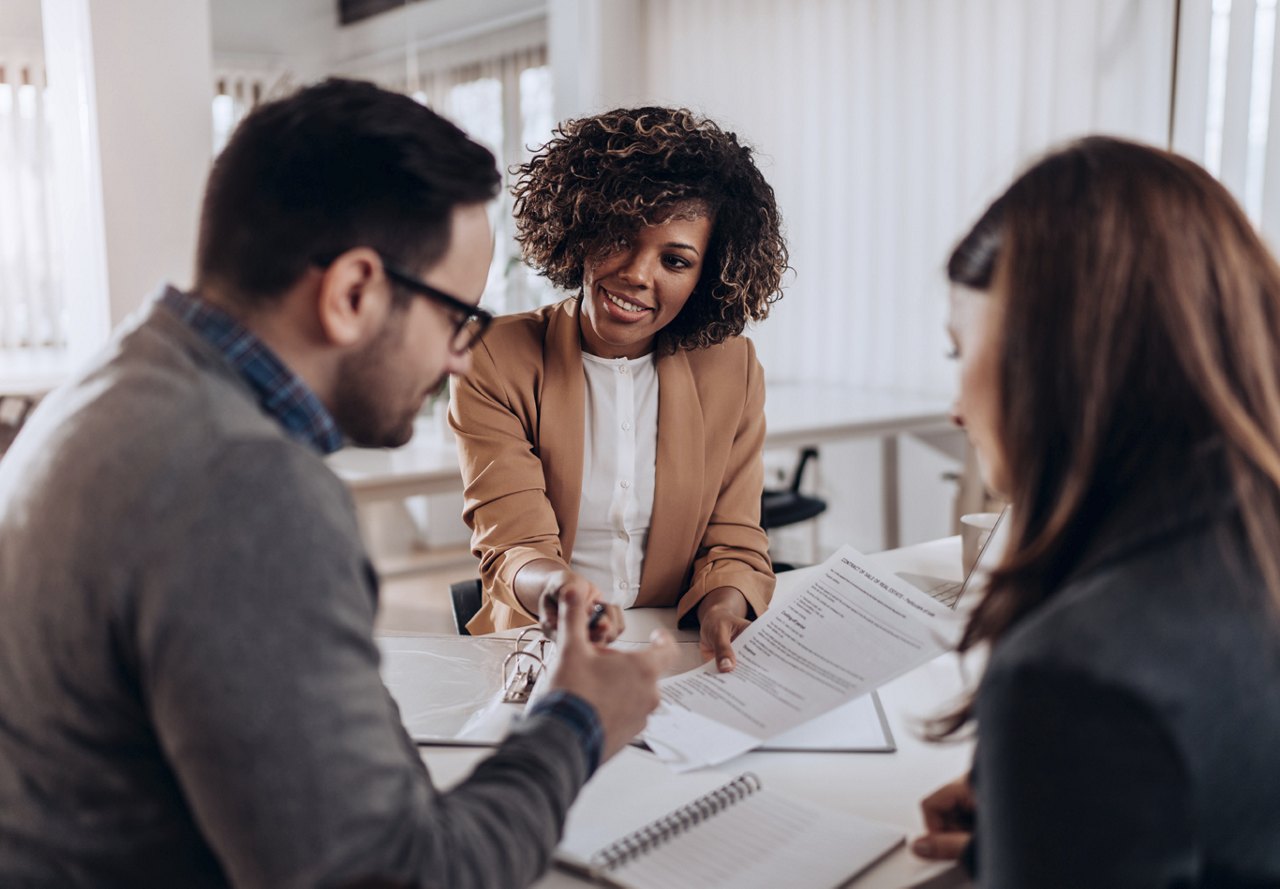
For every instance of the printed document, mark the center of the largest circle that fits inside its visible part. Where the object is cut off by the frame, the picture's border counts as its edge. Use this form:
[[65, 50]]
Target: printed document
[[848, 631]]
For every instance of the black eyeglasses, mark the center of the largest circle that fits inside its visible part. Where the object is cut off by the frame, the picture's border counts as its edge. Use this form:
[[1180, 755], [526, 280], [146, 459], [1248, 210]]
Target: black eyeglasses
[[471, 326]]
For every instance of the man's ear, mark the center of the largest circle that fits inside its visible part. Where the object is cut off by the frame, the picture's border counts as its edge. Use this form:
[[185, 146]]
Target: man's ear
[[354, 297]]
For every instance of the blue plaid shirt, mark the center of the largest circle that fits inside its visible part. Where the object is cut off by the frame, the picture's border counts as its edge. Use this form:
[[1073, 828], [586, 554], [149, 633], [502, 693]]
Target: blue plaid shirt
[[280, 393]]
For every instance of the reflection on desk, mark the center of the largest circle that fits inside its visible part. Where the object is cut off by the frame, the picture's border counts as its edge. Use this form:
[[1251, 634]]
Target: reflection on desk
[[881, 787]]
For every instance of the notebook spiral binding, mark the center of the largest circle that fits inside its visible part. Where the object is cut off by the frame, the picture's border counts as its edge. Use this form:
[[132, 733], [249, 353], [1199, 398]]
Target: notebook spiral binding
[[640, 842]]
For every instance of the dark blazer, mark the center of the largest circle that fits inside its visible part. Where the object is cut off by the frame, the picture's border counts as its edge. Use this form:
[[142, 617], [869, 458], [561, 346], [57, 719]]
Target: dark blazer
[[1129, 728]]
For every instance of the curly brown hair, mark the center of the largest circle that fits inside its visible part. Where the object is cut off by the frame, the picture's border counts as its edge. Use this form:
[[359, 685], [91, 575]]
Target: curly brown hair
[[602, 178]]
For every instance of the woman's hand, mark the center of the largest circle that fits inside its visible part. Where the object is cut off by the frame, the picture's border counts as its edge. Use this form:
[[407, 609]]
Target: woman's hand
[[948, 820], [722, 615], [601, 630]]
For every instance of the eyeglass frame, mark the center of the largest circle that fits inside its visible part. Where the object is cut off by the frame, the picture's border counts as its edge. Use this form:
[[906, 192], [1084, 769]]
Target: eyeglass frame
[[470, 312]]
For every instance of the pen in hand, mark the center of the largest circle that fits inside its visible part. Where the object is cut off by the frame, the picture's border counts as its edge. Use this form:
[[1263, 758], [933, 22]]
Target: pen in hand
[[597, 611]]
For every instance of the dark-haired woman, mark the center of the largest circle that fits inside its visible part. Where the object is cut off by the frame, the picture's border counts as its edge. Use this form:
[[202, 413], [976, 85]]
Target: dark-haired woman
[[1117, 323], [613, 441]]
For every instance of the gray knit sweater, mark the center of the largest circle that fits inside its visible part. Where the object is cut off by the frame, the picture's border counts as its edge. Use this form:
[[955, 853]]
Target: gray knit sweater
[[189, 687]]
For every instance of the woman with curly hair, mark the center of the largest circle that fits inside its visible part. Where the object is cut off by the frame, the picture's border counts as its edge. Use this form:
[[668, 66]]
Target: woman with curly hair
[[611, 443]]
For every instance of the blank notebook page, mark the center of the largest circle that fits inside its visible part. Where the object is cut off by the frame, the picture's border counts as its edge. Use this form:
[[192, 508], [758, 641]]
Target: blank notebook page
[[763, 842], [639, 825]]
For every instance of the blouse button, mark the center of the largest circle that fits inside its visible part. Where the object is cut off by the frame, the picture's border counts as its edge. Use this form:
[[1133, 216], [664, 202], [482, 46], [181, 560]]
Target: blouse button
[[626, 425], [624, 483]]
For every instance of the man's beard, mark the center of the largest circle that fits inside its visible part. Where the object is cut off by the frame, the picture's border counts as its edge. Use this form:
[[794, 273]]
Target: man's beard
[[364, 405]]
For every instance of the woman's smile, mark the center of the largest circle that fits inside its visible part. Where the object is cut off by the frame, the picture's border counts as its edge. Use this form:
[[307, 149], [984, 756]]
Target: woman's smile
[[624, 309]]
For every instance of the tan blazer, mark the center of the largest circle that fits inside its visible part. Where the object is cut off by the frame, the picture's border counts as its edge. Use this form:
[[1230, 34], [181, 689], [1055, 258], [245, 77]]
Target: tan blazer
[[519, 421]]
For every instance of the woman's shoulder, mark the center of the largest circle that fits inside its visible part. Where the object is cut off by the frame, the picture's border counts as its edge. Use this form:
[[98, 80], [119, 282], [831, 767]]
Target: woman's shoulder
[[519, 325], [526, 333], [1163, 620], [733, 355]]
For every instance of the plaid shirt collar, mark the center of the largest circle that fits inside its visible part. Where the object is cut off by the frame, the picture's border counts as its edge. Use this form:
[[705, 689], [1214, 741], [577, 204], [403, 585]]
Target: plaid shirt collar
[[280, 393]]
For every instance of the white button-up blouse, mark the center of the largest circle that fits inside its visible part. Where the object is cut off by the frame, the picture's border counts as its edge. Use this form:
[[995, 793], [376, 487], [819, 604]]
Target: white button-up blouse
[[619, 455]]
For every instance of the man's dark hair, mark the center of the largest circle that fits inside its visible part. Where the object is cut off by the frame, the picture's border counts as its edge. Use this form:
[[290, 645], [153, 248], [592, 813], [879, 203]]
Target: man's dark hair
[[337, 165]]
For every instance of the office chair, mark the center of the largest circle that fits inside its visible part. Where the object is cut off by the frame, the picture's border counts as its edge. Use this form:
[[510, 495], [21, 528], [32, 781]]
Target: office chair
[[788, 506], [465, 596]]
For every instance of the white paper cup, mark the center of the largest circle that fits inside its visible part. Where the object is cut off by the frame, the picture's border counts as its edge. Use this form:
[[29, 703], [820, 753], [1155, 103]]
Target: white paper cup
[[975, 528]]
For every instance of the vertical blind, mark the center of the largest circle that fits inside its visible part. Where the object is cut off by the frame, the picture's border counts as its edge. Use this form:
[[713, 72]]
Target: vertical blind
[[1226, 100], [885, 126], [32, 313]]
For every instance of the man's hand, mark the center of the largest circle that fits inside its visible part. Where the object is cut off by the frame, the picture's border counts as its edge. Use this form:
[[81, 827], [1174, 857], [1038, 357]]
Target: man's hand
[[948, 820], [621, 686], [722, 615]]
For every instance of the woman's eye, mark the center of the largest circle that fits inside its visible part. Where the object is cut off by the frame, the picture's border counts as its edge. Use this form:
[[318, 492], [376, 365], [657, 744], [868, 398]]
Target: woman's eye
[[678, 262]]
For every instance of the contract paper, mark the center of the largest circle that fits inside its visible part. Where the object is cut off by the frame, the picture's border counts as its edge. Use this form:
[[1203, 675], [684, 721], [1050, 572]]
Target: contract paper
[[850, 630]]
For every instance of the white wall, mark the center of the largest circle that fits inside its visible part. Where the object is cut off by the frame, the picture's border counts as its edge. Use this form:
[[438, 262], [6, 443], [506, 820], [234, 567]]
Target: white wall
[[132, 124], [20, 24], [596, 51]]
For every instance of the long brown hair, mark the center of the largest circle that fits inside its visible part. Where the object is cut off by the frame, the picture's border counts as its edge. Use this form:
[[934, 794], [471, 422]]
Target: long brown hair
[[1141, 318]]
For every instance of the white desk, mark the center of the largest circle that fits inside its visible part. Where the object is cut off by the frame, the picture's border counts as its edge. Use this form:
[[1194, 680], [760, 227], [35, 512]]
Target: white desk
[[886, 787], [795, 414], [427, 465]]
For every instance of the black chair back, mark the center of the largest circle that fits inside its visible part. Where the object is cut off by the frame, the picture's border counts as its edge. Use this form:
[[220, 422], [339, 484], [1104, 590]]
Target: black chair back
[[787, 506], [466, 597]]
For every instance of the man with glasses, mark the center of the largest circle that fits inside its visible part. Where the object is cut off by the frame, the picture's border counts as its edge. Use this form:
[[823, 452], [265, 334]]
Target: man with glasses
[[189, 687]]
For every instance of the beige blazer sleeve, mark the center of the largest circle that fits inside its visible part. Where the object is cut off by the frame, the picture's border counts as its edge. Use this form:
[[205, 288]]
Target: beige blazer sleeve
[[506, 505]]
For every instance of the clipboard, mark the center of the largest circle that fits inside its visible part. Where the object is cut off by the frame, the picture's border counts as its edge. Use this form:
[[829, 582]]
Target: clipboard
[[462, 690]]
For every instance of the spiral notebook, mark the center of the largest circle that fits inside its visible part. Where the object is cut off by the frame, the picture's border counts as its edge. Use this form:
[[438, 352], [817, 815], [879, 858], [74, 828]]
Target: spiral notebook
[[638, 825]]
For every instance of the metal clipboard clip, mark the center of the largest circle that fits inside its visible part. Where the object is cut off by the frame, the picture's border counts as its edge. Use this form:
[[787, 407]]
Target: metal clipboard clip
[[522, 668]]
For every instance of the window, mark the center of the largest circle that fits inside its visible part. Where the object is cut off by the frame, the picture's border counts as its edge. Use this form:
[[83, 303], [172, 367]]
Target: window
[[237, 92], [503, 101]]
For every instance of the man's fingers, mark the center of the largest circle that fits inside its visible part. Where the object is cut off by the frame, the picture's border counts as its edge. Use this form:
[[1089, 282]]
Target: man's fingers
[[573, 618], [941, 846]]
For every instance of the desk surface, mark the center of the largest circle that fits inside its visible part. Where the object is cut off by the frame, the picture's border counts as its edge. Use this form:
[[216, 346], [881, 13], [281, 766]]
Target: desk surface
[[886, 787], [795, 414]]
